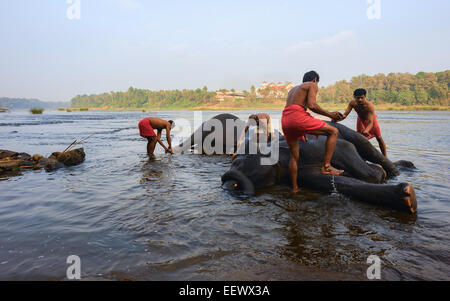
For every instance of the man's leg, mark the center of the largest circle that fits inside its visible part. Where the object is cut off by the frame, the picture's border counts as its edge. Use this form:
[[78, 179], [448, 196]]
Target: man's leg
[[151, 146], [332, 134], [382, 146], [293, 164]]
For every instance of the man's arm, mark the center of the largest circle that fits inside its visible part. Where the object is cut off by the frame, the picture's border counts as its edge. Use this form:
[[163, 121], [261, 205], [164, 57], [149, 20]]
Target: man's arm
[[241, 139], [163, 146], [269, 127], [314, 106], [169, 139], [348, 111]]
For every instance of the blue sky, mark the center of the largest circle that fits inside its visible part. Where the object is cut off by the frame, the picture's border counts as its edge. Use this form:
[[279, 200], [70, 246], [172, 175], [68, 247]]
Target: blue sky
[[221, 44]]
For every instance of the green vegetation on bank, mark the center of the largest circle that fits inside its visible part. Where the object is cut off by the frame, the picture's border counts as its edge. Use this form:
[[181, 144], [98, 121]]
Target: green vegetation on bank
[[143, 99], [36, 111], [395, 91], [404, 89]]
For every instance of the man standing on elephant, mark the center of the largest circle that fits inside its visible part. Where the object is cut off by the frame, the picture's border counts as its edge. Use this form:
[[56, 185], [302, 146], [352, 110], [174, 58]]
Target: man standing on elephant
[[367, 123], [296, 123], [146, 130]]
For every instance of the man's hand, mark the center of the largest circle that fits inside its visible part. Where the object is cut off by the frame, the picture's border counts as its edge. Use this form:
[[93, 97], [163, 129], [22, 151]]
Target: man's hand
[[169, 150], [341, 118], [336, 116], [366, 133]]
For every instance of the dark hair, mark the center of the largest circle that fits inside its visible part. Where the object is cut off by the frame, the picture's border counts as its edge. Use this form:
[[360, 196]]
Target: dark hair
[[255, 118], [172, 123], [360, 92], [310, 76]]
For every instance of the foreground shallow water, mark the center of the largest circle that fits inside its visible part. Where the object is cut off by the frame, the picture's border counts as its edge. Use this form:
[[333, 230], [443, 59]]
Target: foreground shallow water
[[128, 218]]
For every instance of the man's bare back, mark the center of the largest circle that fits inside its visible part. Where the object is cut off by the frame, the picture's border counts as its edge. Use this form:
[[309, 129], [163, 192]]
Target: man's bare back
[[299, 95], [159, 124], [305, 95]]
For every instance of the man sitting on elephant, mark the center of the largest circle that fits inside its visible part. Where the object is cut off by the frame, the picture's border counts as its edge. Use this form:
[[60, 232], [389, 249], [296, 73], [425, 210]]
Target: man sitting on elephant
[[263, 125], [296, 123]]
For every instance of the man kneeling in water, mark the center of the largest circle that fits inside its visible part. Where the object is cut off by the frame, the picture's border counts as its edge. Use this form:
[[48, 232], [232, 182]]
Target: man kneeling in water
[[296, 123], [146, 130]]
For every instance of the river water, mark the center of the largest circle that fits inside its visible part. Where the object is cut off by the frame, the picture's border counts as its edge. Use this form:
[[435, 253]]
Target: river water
[[128, 218]]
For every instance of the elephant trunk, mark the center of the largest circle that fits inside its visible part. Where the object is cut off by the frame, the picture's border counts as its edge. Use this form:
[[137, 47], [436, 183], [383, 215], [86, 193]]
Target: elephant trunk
[[405, 164], [237, 181], [401, 197]]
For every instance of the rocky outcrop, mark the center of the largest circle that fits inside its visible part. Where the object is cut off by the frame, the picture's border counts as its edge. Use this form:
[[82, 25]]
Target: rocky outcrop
[[12, 162], [70, 158]]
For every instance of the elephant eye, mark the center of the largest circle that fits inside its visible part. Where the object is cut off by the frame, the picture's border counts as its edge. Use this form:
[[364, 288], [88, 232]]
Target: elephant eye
[[235, 186]]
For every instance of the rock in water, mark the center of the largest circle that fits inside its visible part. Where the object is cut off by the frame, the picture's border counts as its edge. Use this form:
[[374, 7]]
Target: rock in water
[[6, 154], [71, 158], [50, 164], [13, 162], [36, 158]]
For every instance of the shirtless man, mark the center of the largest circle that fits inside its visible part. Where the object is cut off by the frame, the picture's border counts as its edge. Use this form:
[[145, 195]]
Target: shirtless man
[[146, 130], [263, 125], [296, 123], [367, 123]]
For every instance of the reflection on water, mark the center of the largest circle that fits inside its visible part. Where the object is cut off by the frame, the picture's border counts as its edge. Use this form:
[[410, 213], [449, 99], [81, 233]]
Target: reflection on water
[[169, 219]]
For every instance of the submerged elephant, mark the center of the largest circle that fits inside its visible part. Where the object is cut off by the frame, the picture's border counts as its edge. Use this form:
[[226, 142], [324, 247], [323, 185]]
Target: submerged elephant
[[352, 153], [247, 175]]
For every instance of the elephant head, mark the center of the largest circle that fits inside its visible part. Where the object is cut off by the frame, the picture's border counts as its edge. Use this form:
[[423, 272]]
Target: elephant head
[[248, 174]]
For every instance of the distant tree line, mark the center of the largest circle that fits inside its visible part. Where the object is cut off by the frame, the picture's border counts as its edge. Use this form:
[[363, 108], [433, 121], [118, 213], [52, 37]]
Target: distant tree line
[[396, 88], [25, 103], [139, 98]]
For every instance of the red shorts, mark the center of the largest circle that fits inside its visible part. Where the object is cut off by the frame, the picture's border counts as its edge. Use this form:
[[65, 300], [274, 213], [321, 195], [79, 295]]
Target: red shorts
[[361, 126], [145, 128], [296, 123]]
